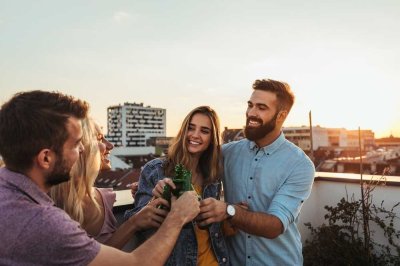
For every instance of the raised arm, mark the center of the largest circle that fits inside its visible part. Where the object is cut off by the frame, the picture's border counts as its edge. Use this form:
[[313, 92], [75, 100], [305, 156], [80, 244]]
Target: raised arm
[[155, 250]]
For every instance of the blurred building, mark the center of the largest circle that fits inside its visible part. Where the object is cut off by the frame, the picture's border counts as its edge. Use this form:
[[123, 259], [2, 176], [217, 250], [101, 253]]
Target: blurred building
[[161, 144], [117, 179], [229, 135], [132, 124], [130, 128], [388, 142], [323, 138], [329, 138]]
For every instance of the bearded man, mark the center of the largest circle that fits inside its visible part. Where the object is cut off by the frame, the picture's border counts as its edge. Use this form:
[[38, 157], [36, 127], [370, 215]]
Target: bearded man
[[266, 180]]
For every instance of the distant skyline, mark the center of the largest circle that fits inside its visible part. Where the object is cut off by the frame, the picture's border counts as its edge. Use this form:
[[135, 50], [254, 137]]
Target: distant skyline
[[341, 58]]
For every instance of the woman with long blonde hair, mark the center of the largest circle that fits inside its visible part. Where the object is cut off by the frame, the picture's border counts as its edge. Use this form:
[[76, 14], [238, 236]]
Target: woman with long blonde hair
[[197, 148], [91, 206]]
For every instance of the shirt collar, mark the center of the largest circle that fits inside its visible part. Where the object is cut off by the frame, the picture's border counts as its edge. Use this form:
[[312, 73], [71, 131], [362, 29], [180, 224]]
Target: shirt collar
[[271, 148], [26, 185]]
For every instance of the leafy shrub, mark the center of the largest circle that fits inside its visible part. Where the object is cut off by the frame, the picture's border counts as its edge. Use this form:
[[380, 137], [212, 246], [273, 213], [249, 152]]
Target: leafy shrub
[[347, 238]]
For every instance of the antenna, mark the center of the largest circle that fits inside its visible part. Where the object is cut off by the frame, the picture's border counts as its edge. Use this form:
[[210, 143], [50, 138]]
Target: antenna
[[311, 138]]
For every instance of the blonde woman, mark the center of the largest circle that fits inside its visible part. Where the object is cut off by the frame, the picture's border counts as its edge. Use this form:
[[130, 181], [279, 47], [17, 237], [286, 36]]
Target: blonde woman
[[91, 206], [197, 147]]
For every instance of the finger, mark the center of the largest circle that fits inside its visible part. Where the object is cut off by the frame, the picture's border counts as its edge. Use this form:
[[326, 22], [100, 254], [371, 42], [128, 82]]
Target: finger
[[169, 181], [131, 184], [243, 206], [160, 212], [206, 222], [157, 191], [158, 219], [151, 200], [207, 201], [151, 224], [206, 215], [206, 208], [160, 184], [159, 201], [244, 203], [156, 224], [173, 199]]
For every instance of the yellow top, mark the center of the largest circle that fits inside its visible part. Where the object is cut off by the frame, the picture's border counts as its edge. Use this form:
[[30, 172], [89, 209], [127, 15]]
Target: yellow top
[[205, 255]]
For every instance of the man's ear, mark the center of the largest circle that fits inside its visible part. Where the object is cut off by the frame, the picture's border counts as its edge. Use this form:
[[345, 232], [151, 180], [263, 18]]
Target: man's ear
[[45, 158], [282, 116]]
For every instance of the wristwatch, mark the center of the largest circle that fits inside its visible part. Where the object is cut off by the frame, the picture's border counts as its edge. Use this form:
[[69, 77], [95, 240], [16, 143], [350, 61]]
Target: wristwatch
[[230, 210]]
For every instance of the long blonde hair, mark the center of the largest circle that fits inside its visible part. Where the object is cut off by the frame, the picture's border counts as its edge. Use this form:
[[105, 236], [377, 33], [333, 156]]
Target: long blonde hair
[[70, 195], [209, 162]]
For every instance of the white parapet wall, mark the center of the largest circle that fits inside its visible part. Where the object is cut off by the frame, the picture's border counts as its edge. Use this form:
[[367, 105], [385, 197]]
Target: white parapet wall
[[329, 188], [133, 151]]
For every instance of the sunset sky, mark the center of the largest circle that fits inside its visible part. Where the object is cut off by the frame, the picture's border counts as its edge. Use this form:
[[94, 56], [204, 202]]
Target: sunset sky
[[342, 58]]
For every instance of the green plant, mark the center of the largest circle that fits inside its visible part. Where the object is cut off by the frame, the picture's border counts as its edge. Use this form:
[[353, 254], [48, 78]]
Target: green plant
[[344, 241]]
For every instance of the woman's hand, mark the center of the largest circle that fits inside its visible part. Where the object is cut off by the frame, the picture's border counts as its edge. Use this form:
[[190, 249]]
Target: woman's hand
[[158, 189]]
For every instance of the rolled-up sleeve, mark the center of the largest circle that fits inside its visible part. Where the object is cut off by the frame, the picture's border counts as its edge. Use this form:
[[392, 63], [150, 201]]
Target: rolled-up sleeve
[[288, 200]]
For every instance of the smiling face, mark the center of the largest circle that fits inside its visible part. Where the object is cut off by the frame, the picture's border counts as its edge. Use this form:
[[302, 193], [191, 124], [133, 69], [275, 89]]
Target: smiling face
[[262, 117], [199, 134], [105, 148]]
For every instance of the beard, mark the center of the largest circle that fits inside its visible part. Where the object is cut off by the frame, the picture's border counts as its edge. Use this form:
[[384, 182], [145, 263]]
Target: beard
[[256, 133], [60, 173]]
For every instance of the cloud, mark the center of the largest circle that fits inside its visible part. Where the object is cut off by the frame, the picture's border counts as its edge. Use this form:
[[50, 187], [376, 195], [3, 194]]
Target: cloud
[[121, 16]]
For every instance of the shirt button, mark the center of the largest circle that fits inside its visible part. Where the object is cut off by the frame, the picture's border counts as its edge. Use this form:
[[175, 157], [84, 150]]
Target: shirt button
[[256, 159], [248, 236], [216, 235], [223, 259], [248, 257], [251, 178], [249, 197], [267, 153]]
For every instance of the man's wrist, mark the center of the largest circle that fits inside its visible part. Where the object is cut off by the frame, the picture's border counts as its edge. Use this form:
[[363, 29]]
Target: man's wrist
[[175, 218], [133, 226], [230, 211]]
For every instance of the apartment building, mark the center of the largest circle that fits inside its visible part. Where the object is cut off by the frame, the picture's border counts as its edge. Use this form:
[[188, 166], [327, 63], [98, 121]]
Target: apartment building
[[132, 124]]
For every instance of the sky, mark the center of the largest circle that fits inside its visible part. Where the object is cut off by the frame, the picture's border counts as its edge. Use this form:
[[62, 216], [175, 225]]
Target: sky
[[341, 58]]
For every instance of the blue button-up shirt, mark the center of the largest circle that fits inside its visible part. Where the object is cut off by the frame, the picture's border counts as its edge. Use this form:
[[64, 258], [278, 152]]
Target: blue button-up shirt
[[276, 180]]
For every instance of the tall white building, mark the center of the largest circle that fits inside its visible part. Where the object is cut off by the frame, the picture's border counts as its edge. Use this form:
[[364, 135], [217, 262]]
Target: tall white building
[[132, 124]]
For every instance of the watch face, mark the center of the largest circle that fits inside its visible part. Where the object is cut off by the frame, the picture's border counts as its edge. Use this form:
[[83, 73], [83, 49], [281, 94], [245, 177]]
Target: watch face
[[230, 210]]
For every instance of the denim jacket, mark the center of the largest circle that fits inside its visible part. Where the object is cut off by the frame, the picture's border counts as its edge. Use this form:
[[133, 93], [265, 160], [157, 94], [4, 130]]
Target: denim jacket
[[185, 250]]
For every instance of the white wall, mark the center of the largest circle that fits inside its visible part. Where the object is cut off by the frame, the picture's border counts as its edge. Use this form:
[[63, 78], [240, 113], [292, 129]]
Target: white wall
[[330, 192]]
